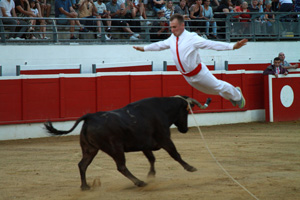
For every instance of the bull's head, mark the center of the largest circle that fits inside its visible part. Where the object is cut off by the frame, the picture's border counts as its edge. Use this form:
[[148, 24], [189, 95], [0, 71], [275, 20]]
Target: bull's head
[[182, 119]]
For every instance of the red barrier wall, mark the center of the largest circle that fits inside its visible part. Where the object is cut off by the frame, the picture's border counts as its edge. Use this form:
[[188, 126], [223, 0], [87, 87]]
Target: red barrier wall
[[41, 98]]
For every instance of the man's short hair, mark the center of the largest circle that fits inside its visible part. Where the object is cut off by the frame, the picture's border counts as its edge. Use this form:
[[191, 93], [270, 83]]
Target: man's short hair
[[277, 58], [177, 16]]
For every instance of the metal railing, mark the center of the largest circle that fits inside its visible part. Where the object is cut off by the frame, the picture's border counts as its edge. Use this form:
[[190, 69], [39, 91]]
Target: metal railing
[[286, 26]]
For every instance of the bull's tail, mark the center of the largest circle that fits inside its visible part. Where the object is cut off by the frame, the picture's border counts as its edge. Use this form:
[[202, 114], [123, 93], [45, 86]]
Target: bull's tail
[[53, 131]]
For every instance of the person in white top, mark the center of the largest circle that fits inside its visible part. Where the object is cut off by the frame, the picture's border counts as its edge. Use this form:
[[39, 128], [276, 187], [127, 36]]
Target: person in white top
[[184, 46]]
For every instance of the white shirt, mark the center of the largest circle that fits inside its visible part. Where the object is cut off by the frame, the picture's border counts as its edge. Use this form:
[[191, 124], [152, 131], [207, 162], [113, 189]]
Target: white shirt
[[188, 48], [285, 1], [100, 8], [8, 6]]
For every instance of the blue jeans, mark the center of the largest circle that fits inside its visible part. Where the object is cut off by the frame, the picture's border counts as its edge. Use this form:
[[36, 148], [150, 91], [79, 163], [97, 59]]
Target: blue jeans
[[214, 27]]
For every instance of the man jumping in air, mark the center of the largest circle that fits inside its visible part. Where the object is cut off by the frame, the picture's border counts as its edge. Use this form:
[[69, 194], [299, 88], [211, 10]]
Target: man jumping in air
[[184, 46]]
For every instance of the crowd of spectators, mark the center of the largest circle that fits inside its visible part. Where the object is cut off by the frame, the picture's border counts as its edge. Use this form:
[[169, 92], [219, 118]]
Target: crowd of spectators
[[203, 16]]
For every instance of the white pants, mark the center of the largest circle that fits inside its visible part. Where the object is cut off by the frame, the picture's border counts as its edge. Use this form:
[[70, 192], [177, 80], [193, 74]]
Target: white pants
[[206, 82]]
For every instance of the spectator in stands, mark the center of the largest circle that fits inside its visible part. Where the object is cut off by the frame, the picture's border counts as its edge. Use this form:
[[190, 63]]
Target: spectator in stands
[[182, 9], [88, 10], [224, 7], [159, 30], [196, 11], [245, 17], [7, 10], [170, 9], [45, 9], [64, 9], [126, 13], [103, 13], [116, 13], [36, 9], [276, 68], [159, 5], [259, 23], [23, 10], [284, 63], [269, 18], [285, 5], [138, 6], [209, 17]]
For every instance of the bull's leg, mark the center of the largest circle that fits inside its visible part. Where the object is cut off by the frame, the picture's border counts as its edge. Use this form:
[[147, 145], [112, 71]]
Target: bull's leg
[[151, 159], [87, 157], [119, 158], [169, 146]]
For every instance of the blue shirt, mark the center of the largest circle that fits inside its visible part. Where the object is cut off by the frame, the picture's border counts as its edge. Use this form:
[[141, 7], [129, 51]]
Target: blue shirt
[[65, 4]]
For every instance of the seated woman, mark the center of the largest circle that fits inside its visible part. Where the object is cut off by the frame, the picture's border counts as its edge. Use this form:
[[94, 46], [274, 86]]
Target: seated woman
[[196, 12], [208, 16]]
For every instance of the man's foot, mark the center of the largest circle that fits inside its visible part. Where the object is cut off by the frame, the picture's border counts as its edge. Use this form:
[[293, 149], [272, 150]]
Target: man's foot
[[133, 38], [107, 37], [241, 103]]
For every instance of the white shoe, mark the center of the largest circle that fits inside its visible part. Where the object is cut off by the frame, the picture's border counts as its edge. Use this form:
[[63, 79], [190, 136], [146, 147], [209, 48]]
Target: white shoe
[[141, 18], [18, 38], [148, 23], [11, 38], [136, 35], [46, 38], [133, 38], [99, 35], [107, 38]]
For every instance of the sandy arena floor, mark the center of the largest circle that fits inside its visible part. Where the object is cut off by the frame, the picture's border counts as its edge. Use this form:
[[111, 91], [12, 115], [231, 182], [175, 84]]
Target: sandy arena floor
[[263, 157]]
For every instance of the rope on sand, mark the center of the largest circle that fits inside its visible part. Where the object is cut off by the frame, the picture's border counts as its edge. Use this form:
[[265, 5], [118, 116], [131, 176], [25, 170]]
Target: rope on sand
[[218, 163]]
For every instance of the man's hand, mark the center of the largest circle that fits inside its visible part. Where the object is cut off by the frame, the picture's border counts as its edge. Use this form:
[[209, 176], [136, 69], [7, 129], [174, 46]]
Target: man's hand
[[139, 48], [240, 43]]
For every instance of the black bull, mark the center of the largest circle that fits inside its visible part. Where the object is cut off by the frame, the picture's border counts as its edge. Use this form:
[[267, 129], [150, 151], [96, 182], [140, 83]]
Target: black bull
[[140, 126]]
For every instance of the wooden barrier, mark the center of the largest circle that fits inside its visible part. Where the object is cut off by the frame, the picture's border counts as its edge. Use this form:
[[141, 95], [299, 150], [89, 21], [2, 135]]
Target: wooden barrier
[[37, 98]]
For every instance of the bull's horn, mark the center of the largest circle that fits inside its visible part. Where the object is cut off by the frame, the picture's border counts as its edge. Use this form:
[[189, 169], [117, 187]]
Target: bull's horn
[[194, 101]]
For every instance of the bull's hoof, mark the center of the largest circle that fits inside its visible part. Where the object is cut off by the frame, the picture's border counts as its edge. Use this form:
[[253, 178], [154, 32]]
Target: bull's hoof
[[141, 184], [151, 174], [191, 169], [85, 187]]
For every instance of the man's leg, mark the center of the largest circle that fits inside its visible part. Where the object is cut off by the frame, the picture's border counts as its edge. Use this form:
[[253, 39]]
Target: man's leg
[[11, 28], [23, 29], [206, 82]]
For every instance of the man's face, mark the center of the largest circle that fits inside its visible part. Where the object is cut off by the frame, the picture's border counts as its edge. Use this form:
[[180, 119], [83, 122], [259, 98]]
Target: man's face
[[182, 3], [281, 56], [277, 63], [176, 27]]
